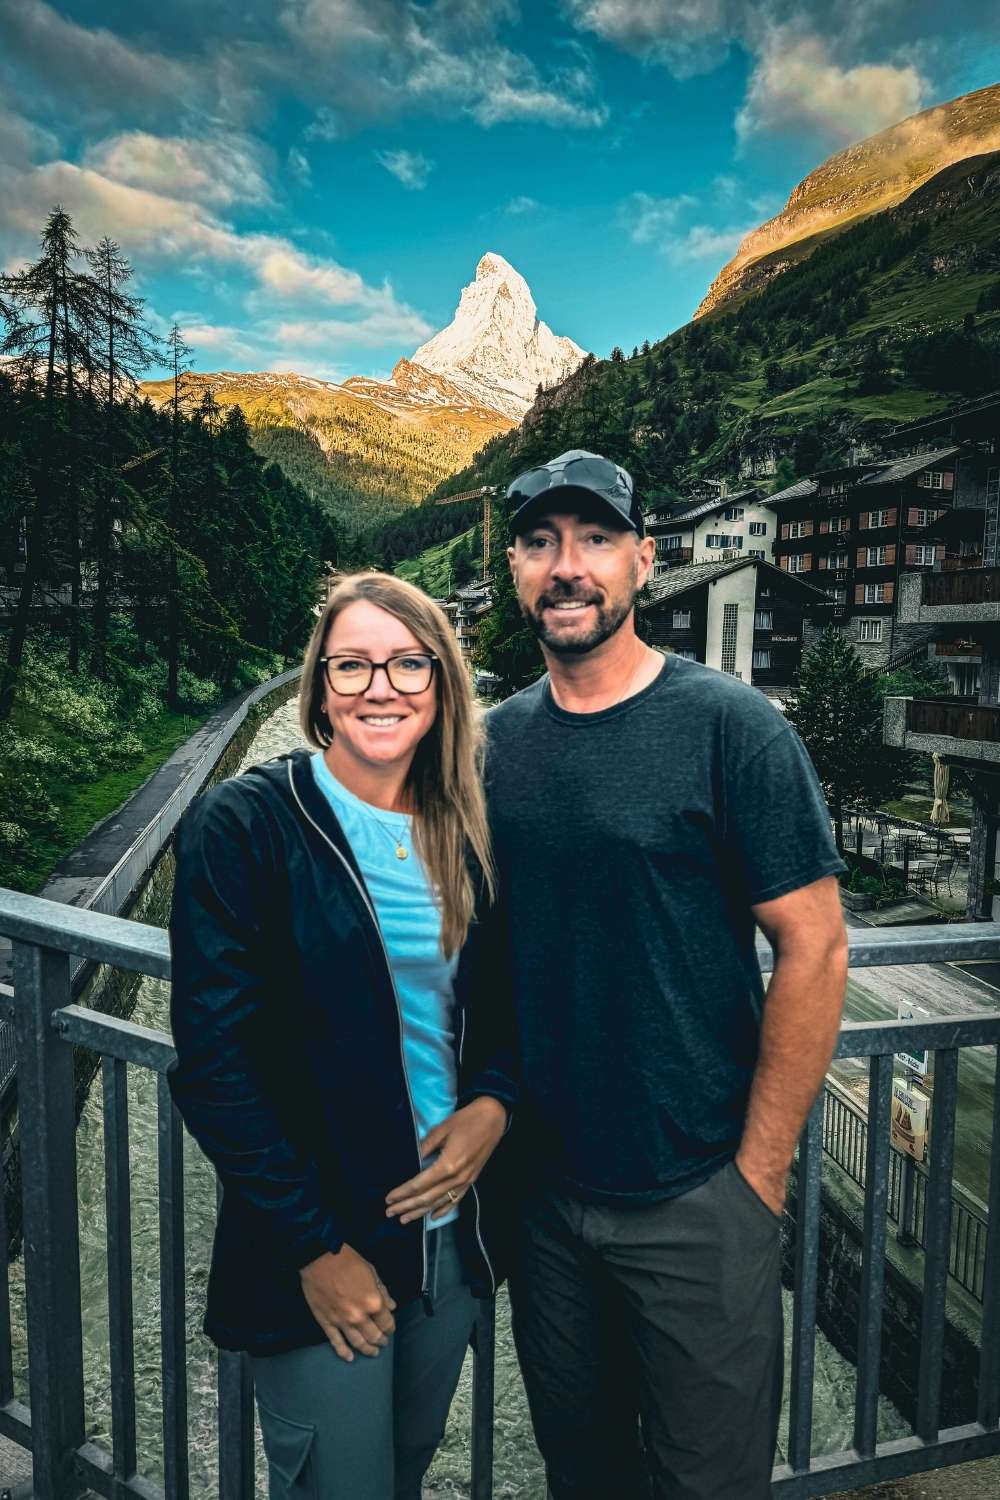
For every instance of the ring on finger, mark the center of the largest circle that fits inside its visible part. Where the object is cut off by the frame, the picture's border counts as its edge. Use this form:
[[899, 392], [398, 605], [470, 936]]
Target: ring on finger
[[452, 1195]]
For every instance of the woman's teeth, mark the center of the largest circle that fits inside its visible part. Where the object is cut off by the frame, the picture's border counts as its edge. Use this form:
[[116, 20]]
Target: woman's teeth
[[381, 721]]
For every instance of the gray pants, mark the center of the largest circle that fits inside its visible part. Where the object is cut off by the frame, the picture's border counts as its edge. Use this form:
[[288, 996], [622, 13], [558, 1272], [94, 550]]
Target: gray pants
[[368, 1430], [665, 1315]]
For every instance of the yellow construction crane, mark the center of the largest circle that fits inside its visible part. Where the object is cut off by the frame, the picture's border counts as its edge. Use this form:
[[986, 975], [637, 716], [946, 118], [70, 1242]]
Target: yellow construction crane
[[485, 493]]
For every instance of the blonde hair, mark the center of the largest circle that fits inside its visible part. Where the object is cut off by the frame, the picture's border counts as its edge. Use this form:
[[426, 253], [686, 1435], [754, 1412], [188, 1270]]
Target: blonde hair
[[444, 780]]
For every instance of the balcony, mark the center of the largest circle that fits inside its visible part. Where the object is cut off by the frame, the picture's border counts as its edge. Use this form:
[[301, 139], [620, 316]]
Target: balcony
[[958, 650], [964, 596], [951, 726], [673, 557]]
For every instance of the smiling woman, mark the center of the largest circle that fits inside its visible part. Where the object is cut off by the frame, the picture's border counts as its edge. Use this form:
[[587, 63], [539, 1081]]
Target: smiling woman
[[340, 1060]]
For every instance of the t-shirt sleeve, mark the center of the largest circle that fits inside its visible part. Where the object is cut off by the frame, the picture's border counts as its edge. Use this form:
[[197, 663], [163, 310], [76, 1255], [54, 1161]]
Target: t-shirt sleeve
[[778, 836]]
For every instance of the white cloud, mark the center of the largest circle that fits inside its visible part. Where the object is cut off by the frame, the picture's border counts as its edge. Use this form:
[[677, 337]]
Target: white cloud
[[521, 205], [797, 86], [388, 326], [324, 127], [410, 168], [647, 219], [298, 165], [703, 242], [219, 169], [219, 338]]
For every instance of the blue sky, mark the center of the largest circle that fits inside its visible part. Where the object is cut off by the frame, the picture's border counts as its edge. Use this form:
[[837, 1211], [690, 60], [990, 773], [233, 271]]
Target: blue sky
[[308, 184]]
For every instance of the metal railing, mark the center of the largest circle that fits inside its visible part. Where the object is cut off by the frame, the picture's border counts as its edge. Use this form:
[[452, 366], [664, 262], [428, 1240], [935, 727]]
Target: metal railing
[[845, 1141], [48, 1027]]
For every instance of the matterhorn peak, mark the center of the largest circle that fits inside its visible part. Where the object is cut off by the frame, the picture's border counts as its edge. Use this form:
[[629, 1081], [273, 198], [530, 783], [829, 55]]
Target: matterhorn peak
[[495, 347]]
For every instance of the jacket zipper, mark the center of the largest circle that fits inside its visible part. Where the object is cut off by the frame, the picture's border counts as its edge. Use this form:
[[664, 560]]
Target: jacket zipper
[[424, 1293], [479, 1238]]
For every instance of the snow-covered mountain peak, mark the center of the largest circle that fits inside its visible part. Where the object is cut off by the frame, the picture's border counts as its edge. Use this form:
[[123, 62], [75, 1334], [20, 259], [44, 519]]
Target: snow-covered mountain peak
[[495, 347]]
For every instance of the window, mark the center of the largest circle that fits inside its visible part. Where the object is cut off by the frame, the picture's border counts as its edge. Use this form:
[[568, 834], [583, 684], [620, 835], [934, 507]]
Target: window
[[874, 593], [682, 619], [673, 541], [797, 562], [734, 513], [837, 560], [762, 620], [870, 630], [754, 553], [923, 554], [735, 541], [839, 596], [762, 659], [714, 540], [840, 523], [880, 518], [730, 613], [758, 528], [931, 479], [966, 679], [800, 528], [875, 557]]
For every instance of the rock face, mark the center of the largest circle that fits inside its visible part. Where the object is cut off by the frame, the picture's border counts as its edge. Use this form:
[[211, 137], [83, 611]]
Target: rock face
[[496, 348], [874, 174]]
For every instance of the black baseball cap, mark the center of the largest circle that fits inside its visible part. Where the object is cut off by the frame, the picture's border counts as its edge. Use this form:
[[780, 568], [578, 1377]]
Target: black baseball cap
[[575, 476]]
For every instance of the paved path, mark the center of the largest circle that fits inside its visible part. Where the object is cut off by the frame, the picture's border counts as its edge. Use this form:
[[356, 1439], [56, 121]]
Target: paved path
[[980, 1481]]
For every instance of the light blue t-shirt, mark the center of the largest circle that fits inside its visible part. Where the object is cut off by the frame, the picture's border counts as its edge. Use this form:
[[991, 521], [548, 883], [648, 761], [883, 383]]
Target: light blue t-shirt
[[410, 920]]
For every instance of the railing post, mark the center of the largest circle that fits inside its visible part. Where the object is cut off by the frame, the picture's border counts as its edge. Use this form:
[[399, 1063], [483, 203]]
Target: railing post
[[47, 1128], [907, 1204]]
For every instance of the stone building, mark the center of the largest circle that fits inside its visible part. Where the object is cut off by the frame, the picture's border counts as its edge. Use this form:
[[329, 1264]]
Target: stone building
[[741, 616]]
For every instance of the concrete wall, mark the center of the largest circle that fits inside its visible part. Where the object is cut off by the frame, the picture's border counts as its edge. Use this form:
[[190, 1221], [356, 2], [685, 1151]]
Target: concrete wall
[[739, 588], [716, 523]]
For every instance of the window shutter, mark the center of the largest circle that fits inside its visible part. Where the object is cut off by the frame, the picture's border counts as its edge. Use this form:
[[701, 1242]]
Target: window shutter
[[890, 555], [824, 527], [887, 595], [784, 564], [864, 520], [939, 551], [823, 564], [807, 562], [949, 481], [859, 593], [807, 529], [862, 555], [892, 517], [911, 516], [784, 532], [911, 553]]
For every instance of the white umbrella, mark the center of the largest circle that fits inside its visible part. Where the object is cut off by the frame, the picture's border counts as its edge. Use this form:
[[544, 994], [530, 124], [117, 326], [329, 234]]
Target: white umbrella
[[940, 812]]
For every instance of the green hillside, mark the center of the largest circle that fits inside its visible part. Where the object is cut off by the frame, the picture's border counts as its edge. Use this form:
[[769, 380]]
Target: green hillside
[[447, 565], [895, 318]]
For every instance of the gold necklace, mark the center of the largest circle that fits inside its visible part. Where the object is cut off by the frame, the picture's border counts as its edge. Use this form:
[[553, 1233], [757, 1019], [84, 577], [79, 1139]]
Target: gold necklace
[[401, 850]]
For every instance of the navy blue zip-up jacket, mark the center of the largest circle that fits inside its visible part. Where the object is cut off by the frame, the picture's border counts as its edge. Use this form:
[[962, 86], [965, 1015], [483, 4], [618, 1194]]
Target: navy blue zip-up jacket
[[289, 1069]]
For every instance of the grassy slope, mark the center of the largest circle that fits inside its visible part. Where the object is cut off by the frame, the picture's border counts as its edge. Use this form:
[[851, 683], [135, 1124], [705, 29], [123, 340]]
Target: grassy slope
[[430, 570], [81, 805]]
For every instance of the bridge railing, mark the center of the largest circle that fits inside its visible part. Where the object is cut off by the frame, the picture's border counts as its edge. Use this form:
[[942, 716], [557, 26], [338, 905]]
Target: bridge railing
[[52, 1424]]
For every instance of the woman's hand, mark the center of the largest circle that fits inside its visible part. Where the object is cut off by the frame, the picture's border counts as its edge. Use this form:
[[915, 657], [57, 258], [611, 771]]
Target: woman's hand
[[465, 1142], [349, 1302]]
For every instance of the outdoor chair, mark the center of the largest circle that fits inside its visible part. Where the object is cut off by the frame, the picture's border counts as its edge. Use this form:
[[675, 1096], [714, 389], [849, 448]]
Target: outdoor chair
[[943, 868]]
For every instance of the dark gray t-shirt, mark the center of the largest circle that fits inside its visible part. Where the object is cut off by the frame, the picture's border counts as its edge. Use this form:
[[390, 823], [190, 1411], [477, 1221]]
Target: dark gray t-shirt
[[631, 845]]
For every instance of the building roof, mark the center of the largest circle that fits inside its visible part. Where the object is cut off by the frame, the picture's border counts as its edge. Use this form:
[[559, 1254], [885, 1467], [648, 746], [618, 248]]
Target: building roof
[[800, 490], [903, 468], [706, 507], [692, 575], [941, 418]]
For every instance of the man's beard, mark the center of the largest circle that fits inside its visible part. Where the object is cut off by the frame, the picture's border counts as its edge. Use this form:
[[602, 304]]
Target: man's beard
[[611, 615]]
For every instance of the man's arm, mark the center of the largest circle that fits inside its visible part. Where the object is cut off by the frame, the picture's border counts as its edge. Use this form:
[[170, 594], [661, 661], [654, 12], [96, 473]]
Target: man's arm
[[799, 1029]]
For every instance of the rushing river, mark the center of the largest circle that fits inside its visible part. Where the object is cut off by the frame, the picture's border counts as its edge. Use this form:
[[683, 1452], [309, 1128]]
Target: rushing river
[[518, 1469]]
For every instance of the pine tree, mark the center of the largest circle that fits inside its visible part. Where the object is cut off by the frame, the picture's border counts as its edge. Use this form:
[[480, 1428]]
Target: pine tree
[[838, 713], [179, 355]]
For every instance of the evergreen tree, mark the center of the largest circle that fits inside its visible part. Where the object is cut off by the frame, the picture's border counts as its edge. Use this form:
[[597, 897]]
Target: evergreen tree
[[838, 713]]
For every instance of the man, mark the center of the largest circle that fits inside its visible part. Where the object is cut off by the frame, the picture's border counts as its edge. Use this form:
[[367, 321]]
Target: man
[[648, 815]]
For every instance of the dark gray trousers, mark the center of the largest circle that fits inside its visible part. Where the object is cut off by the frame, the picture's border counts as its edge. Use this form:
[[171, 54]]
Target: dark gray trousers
[[368, 1430], [665, 1316]]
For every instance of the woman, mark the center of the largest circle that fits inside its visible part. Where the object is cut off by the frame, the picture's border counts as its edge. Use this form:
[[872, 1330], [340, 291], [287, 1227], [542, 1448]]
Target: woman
[[326, 1060]]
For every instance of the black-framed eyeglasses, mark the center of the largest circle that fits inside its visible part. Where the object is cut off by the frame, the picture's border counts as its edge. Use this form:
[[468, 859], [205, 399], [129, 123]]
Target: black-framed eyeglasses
[[408, 672]]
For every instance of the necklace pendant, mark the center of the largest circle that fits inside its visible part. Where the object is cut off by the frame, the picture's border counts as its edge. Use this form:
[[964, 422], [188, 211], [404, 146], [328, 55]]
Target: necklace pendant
[[402, 853]]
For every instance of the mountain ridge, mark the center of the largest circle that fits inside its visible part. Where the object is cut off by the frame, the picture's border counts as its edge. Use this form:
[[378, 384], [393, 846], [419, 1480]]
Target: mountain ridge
[[866, 178]]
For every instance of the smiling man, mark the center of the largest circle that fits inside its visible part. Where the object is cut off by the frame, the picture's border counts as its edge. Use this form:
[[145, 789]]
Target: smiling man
[[648, 815]]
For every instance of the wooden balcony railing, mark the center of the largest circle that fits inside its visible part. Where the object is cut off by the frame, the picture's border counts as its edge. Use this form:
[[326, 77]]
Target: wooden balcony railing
[[966, 586], [958, 648], [959, 564], [958, 719]]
